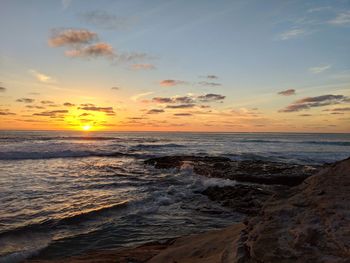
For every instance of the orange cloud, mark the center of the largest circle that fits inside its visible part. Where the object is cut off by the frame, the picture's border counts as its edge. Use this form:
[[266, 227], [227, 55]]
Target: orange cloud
[[95, 50], [171, 82], [66, 37]]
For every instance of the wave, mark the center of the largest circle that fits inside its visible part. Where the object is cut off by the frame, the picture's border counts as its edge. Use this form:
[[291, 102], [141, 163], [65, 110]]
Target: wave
[[154, 146], [58, 138], [336, 143], [29, 240], [20, 256], [68, 220], [78, 138], [18, 155]]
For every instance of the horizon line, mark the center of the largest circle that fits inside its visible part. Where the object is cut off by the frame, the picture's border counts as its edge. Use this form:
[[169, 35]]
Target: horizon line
[[170, 131]]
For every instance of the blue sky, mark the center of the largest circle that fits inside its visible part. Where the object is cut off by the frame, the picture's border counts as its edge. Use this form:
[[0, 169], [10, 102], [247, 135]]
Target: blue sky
[[255, 49]]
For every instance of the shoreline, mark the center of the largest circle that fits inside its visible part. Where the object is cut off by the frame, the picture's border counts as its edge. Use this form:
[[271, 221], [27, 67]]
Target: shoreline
[[314, 214]]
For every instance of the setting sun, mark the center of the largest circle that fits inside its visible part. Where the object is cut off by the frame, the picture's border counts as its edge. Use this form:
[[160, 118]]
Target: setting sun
[[86, 127]]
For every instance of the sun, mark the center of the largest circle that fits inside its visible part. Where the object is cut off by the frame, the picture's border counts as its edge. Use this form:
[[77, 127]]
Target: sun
[[86, 128]]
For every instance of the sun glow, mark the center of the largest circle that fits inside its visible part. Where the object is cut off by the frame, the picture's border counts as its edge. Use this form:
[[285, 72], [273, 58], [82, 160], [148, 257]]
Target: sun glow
[[86, 127]]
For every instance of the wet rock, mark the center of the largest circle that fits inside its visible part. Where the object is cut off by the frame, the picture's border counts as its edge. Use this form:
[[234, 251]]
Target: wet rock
[[241, 198], [253, 171]]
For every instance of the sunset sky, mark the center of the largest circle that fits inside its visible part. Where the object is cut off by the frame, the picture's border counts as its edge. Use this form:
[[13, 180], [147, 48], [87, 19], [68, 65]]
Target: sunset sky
[[175, 65]]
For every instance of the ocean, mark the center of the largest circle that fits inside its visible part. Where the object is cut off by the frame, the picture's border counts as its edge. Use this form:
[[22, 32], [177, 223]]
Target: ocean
[[64, 193]]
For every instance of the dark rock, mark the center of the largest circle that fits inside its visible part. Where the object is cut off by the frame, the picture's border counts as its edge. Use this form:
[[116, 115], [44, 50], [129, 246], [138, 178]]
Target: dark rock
[[241, 198], [310, 223], [253, 171]]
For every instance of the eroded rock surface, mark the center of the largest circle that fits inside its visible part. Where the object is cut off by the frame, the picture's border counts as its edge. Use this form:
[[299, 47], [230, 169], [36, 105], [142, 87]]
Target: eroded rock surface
[[241, 198], [308, 223]]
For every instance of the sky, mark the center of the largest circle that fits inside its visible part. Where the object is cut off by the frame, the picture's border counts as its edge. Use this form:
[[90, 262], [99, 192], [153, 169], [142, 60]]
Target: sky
[[175, 65]]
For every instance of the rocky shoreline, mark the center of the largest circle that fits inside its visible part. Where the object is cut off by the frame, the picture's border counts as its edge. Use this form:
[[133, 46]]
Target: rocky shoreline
[[252, 171], [294, 213]]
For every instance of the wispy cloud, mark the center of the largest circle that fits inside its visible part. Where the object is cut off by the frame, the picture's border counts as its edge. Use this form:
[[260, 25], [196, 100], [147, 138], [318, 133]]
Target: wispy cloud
[[171, 82], [166, 100], [69, 37], [35, 107], [155, 111], [287, 92], [46, 102], [107, 110], [183, 114], [293, 33], [338, 109], [143, 67], [181, 106], [52, 114], [141, 95], [68, 104], [211, 97], [319, 69], [210, 84], [107, 20], [341, 19], [95, 50], [82, 44], [2, 89], [25, 100], [41, 76], [318, 9], [319, 101], [132, 56], [4, 112]]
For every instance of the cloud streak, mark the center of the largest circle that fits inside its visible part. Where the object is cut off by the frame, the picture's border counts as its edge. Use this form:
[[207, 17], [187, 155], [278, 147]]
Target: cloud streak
[[293, 33], [71, 37], [143, 67], [181, 106], [6, 112], [95, 50], [41, 77], [107, 110], [182, 114], [288, 92], [171, 82], [106, 20], [210, 84], [140, 95], [155, 111], [183, 99], [211, 97], [52, 114], [320, 69], [312, 102], [341, 19], [339, 109], [25, 100]]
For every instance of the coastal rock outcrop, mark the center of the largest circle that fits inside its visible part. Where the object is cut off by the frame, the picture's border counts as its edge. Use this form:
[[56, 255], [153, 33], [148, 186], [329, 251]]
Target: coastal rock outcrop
[[309, 223], [253, 171]]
